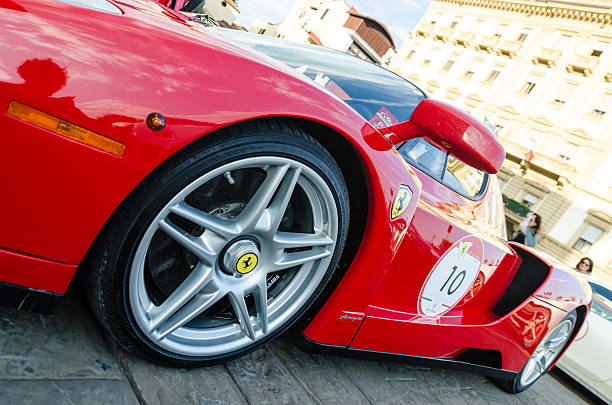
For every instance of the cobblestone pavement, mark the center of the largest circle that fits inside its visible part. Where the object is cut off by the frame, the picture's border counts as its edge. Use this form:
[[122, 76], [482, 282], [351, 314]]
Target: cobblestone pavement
[[64, 358]]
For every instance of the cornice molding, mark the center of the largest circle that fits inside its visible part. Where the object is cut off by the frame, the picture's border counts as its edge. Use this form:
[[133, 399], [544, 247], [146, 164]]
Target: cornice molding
[[597, 15]]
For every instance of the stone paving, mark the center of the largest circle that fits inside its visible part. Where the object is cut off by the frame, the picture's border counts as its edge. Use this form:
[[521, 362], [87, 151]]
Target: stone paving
[[64, 358]]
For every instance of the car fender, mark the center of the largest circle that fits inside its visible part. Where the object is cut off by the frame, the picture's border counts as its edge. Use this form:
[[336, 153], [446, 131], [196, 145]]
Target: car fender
[[101, 73]]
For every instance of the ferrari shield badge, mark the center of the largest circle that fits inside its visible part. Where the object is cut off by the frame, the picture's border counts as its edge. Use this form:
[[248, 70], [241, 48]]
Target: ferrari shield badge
[[402, 199], [451, 277]]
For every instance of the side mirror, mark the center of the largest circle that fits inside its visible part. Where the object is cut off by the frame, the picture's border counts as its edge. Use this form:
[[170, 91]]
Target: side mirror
[[452, 130]]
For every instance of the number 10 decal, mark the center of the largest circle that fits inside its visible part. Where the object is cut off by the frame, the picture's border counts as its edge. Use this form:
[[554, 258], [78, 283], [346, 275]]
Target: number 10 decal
[[451, 277]]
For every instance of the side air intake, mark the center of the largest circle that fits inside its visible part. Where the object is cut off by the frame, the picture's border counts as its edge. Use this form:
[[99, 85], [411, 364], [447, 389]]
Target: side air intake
[[530, 275]]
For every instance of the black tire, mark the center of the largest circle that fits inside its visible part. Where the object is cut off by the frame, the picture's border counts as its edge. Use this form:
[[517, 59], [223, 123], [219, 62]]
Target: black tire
[[516, 385], [166, 268]]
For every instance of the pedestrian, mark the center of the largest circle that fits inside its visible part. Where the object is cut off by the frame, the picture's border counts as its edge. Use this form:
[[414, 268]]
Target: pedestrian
[[528, 230], [585, 266]]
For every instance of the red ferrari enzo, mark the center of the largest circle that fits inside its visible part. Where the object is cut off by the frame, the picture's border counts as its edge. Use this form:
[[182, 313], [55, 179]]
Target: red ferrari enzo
[[212, 188]]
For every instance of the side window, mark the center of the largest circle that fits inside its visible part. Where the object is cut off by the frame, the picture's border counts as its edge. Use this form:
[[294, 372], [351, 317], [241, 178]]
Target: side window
[[452, 172], [463, 178], [426, 157]]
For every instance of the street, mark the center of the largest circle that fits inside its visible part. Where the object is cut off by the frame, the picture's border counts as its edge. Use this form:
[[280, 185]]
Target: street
[[64, 358]]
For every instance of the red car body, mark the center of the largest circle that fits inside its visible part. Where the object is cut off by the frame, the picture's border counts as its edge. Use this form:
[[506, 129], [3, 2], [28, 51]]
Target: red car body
[[107, 72]]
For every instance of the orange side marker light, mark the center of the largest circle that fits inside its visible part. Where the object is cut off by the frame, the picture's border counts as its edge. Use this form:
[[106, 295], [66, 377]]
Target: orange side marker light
[[64, 128]]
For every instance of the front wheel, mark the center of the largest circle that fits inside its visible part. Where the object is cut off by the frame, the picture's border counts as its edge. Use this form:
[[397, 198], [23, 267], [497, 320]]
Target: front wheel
[[222, 249], [543, 357]]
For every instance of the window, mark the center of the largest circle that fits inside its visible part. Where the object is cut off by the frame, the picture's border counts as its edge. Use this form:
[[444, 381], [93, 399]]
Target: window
[[589, 236], [367, 88], [528, 87], [324, 13], [410, 55], [494, 74], [450, 62], [529, 200], [523, 35], [444, 168], [454, 24], [435, 18], [602, 104], [468, 74], [599, 48], [566, 92], [448, 65], [569, 151], [530, 84], [562, 42]]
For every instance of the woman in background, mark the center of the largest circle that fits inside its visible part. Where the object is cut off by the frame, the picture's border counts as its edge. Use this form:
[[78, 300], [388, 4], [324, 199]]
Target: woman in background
[[585, 266], [529, 229]]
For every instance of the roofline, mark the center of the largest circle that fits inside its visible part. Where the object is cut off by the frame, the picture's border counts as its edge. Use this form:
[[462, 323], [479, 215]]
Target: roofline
[[385, 30]]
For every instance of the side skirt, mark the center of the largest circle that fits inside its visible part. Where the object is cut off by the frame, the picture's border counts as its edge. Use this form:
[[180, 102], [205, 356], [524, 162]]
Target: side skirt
[[28, 299], [435, 362]]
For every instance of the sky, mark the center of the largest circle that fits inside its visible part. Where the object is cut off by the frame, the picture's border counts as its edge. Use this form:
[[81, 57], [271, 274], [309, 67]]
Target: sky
[[399, 16]]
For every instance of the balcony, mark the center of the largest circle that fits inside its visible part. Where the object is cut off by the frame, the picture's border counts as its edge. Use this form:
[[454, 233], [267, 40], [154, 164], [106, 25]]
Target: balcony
[[443, 34], [583, 65], [509, 48], [520, 209], [464, 38], [487, 43], [547, 57], [424, 30]]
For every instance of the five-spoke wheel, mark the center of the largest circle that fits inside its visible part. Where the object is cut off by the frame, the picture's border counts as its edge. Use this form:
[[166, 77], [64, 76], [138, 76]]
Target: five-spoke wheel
[[224, 252], [543, 357]]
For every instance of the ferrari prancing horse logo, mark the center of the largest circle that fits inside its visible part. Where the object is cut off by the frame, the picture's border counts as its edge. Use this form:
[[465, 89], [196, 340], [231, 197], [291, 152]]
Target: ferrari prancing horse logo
[[246, 263], [402, 199]]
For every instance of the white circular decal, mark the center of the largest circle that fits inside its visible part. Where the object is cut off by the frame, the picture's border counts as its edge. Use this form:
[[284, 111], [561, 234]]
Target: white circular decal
[[451, 277]]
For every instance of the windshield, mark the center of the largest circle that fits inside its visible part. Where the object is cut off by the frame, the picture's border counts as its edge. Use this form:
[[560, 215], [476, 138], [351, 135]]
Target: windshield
[[378, 95]]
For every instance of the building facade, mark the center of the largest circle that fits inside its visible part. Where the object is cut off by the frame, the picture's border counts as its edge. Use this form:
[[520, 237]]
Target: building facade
[[333, 24], [539, 74]]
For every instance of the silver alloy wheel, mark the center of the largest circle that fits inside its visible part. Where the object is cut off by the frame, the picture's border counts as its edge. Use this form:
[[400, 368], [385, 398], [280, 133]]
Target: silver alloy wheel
[[547, 351], [170, 325]]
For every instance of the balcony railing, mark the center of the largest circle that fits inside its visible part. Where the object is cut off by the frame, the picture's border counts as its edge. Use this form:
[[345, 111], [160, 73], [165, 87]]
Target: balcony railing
[[443, 34], [487, 43], [424, 30], [547, 56], [582, 64], [464, 38], [509, 48], [516, 207]]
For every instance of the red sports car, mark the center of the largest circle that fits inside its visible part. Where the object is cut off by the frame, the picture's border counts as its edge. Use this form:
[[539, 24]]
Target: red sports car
[[212, 188]]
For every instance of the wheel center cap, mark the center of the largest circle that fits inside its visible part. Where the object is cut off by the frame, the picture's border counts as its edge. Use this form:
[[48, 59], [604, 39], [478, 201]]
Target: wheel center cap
[[241, 257]]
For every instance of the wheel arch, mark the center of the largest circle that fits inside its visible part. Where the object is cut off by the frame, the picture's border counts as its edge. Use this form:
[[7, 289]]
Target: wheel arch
[[343, 153]]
